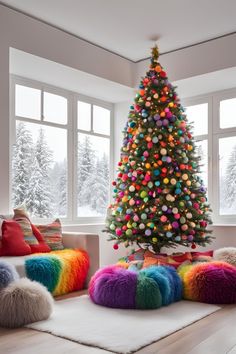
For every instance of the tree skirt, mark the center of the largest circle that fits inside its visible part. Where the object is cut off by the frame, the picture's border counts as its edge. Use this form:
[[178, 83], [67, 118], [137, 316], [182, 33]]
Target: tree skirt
[[60, 271], [120, 331]]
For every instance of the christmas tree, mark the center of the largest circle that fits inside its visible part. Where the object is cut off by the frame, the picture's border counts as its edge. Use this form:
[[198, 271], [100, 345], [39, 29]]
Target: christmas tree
[[159, 198]]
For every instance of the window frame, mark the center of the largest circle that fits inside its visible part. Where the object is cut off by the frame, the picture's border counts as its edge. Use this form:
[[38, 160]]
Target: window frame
[[214, 134], [72, 143]]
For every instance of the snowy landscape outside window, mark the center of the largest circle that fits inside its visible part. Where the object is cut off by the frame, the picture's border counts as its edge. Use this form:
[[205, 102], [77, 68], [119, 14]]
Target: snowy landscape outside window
[[60, 153], [198, 117], [227, 157], [214, 126], [93, 160]]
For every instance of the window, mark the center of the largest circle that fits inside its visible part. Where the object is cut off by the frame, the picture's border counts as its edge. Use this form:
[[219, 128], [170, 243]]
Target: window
[[197, 115], [61, 152], [93, 159], [214, 128]]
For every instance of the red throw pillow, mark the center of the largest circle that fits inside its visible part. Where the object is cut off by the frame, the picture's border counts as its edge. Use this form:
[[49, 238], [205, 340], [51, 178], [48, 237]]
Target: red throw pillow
[[13, 243], [41, 247]]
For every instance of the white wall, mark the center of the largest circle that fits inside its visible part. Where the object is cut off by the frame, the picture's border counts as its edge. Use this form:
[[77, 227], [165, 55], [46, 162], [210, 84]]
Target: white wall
[[106, 252]]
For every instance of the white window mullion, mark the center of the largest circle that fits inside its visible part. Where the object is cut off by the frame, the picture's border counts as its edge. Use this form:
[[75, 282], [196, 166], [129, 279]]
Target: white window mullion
[[70, 160], [42, 105], [210, 149], [112, 152], [92, 131], [75, 158]]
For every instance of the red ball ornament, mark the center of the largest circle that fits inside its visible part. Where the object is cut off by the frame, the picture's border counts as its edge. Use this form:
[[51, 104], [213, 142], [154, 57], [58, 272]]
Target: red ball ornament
[[203, 223], [115, 246], [162, 74], [118, 232], [114, 183], [193, 246]]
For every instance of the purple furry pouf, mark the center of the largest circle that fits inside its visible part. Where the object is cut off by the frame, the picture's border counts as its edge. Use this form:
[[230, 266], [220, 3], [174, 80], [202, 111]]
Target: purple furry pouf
[[150, 288], [8, 274]]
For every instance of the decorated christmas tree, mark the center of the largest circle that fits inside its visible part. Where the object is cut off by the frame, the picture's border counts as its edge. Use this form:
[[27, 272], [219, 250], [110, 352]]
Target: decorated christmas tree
[[159, 197]]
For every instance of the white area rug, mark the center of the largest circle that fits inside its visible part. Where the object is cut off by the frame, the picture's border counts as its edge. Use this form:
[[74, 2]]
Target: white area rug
[[119, 331]]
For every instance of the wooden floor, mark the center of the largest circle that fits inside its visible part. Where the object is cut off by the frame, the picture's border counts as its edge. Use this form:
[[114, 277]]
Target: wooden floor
[[215, 334]]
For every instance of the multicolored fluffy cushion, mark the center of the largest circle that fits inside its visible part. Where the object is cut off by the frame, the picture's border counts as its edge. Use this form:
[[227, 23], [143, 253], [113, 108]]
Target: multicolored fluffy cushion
[[22, 218], [212, 282], [52, 234], [60, 272], [150, 288]]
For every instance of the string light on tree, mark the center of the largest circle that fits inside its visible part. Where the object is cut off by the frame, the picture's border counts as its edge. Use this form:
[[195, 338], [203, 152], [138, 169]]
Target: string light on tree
[[159, 198]]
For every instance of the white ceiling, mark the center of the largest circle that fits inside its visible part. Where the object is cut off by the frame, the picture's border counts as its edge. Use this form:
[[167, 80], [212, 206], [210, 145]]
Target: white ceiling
[[126, 27]]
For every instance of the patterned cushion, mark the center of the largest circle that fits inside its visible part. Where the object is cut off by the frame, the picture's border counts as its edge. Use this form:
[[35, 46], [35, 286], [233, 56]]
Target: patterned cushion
[[52, 234], [21, 216]]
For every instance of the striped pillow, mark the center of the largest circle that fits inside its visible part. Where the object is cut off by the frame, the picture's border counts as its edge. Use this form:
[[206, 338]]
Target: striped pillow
[[52, 234], [22, 218]]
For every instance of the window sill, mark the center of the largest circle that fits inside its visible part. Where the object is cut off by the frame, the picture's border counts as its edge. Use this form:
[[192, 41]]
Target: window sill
[[223, 225], [91, 224]]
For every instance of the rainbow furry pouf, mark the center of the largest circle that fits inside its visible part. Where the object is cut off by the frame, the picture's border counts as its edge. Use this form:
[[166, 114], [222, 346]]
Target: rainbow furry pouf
[[60, 271], [213, 282], [149, 288]]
